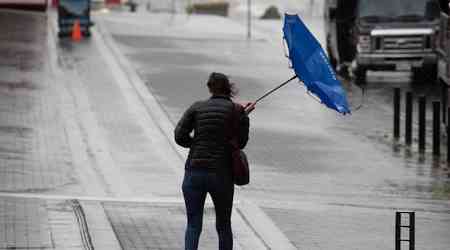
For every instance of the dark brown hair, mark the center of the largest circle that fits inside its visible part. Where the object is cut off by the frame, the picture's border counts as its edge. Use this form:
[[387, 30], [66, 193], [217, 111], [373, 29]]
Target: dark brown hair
[[219, 84]]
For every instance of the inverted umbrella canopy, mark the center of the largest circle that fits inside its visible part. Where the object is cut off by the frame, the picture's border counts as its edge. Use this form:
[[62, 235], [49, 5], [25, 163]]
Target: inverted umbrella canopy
[[311, 65]]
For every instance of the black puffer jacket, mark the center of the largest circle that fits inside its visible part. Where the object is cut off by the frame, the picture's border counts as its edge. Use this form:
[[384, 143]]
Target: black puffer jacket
[[209, 146]]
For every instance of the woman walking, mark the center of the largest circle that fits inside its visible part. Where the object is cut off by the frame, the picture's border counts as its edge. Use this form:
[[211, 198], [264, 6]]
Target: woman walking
[[207, 168]]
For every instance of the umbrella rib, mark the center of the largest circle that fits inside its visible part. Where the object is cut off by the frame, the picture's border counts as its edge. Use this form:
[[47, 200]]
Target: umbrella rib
[[274, 89]]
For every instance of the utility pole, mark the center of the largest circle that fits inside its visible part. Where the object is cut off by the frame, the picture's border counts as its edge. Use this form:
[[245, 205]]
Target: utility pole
[[249, 19]]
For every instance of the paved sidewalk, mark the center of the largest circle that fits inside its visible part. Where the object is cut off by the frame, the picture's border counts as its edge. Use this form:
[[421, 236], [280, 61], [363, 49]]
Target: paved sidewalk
[[161, 226], [34, 152], [28, 223]]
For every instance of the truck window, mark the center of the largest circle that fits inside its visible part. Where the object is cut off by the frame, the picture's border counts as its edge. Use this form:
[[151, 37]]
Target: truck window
[[75, 7], [402, 10]]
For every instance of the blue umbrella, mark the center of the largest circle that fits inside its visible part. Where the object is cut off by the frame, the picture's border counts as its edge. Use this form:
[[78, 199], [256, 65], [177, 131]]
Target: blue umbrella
[[311, 66]]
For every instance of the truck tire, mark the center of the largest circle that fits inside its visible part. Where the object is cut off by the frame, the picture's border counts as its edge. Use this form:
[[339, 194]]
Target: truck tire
[[427, 74], [432, 72]]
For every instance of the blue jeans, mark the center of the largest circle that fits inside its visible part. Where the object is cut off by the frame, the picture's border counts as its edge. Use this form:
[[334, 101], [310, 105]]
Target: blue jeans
[[196, 184]]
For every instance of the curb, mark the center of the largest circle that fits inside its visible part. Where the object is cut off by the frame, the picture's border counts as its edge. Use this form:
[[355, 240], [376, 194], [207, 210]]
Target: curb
[[261, 225], [144, 102], [264, 228]]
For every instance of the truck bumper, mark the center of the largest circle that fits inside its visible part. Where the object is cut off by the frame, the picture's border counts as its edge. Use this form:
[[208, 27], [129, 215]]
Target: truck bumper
[[396, 62]]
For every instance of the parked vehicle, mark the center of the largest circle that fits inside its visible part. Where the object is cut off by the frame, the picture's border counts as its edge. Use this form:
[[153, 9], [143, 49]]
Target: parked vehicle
[[35, 5], [395, 35], [70, 11]]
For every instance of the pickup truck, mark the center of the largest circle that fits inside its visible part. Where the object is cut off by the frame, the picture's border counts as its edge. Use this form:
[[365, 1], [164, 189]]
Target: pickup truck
[[392, 35]]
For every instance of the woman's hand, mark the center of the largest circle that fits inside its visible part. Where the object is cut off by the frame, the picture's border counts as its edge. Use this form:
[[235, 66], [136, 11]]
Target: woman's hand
[[248, 107]]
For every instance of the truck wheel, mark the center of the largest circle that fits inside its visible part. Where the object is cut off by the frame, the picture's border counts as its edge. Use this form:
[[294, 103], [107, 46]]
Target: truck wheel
[[431, 73], [426, 74], [360, 75]]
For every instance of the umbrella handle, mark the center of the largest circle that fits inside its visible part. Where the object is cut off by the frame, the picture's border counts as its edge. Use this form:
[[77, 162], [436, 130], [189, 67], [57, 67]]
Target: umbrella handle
[[274, 89]]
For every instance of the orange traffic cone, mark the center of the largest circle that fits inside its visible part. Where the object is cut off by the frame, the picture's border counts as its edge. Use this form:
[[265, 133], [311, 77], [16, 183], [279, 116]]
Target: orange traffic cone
[[76, 32]]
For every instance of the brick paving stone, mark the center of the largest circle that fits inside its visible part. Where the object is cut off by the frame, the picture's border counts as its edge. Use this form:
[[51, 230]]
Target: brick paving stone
[[29, 223], [18, 229], [152, 227]]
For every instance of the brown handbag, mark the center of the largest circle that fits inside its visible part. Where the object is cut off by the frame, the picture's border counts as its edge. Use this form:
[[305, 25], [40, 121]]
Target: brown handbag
[[239, 162]]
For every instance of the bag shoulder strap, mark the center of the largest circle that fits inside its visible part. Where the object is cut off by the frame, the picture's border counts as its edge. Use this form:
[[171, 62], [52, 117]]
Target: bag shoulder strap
[[235, 123]]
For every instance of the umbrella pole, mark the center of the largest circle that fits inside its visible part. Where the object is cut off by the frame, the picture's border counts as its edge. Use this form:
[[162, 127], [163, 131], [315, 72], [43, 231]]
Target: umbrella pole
[[274, 89]]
